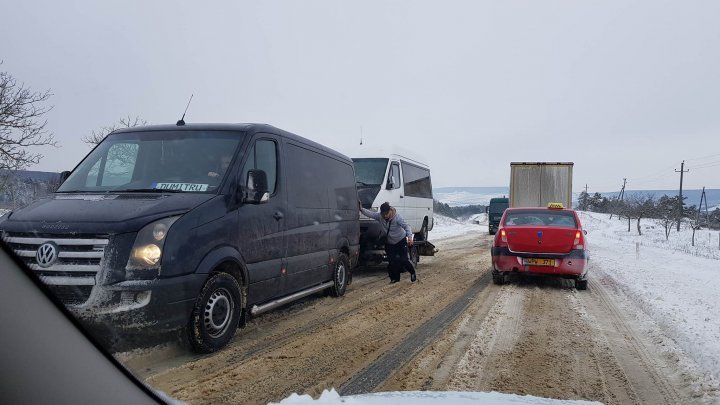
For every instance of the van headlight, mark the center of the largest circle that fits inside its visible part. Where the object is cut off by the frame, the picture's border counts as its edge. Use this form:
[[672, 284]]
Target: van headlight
[[147, 250]]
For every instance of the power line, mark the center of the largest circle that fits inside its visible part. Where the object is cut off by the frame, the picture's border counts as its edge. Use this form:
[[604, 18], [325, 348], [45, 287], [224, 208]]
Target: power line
[[706, 165], [656, 174], [704, 157]]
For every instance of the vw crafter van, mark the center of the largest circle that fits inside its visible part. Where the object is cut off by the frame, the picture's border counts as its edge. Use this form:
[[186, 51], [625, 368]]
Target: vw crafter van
[[193, 226]]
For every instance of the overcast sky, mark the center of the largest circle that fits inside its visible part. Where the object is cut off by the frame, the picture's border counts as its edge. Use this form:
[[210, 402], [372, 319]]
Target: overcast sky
[[621, 88]]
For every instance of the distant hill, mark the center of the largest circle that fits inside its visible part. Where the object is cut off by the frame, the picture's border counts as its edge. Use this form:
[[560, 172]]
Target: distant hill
[[33, 175], [460, 196]]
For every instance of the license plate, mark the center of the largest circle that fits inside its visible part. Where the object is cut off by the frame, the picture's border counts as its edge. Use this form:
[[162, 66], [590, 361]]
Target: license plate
[[539, 262]]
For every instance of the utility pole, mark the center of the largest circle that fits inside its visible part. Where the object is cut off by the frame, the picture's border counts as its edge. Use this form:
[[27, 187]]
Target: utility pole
[[703, 197], [586, 188], [621, 196], [680, 203]]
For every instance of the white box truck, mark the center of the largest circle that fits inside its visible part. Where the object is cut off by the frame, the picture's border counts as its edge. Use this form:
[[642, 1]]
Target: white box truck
[[536, 184]]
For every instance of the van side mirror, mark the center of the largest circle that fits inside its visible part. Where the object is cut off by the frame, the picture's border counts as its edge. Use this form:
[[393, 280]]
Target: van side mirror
[[63, 176], [585, 232], [391, 183], [256, 187]]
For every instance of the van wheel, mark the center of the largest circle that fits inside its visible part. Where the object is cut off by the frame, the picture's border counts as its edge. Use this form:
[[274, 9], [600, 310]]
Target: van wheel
[[341, 275], [216, 314]]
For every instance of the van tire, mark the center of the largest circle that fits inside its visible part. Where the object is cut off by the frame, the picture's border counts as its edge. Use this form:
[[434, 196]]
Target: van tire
[[216, 313], [341, 275]]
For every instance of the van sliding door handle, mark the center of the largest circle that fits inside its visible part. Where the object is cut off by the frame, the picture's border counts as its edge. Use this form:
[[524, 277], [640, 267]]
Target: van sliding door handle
[[402, 197], [278, 216]]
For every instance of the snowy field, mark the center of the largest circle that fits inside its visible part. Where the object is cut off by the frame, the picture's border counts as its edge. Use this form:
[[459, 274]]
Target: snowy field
[[675, 284], [446, 227], [458, 198]]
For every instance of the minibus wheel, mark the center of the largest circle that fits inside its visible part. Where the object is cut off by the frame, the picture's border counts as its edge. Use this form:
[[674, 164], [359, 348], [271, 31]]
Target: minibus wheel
[[216, 314]]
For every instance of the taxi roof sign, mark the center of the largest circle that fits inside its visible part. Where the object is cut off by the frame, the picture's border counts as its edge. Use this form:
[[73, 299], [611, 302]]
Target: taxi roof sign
[[556, 206]]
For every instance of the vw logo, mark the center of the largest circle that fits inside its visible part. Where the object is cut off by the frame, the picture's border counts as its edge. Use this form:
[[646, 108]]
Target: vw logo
[[46, 254]]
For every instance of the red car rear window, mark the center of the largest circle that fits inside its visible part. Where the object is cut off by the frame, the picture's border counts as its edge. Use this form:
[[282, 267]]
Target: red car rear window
[[541, 218]]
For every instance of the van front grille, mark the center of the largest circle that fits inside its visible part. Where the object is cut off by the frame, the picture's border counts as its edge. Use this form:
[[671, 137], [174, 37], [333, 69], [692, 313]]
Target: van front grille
[[71, 294], [68, 264]]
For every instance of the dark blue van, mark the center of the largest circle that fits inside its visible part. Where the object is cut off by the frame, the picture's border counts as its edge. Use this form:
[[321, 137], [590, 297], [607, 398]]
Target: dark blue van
[[193, 226]]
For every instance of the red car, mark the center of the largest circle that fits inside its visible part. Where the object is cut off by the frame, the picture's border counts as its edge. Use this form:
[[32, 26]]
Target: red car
[[540, 241]]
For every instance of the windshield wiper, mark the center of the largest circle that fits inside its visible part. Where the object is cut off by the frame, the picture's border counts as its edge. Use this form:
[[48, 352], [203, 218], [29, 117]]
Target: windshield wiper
[[365, 184]]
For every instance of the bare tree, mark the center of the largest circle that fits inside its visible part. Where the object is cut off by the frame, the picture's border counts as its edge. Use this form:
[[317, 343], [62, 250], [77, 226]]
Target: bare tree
[[640, 206], [21, 123], [665, 212], [98, 135]]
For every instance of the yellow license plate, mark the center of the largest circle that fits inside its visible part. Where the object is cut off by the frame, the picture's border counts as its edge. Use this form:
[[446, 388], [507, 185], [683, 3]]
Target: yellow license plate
[[539, 262]]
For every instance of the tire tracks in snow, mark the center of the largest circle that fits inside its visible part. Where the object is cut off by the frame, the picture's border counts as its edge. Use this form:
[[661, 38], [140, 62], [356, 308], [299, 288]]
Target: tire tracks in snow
[[638, 361]]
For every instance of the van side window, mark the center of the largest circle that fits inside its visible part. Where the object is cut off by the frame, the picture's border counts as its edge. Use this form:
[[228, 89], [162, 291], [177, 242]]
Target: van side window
[[262, 156], [417, 181], [308, 177], [394, 175]]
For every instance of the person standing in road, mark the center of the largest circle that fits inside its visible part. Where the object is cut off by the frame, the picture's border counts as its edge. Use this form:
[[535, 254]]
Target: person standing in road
[[399, 237]]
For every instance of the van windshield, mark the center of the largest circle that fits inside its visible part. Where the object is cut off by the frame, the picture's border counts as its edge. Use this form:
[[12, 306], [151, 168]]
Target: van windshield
[[370, 172], [179, 161], [498, 207]]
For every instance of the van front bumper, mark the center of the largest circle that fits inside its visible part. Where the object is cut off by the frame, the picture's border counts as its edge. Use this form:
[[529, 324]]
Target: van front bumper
[[148, 306]]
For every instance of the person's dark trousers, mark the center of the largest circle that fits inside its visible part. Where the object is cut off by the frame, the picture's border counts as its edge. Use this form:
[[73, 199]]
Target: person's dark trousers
[[399, 259]]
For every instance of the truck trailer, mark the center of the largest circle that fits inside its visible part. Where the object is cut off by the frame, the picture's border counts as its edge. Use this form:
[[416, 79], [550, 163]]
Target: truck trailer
[[536, 184]]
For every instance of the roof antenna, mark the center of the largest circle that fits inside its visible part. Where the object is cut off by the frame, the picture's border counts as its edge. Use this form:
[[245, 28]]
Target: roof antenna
[[182, 120]]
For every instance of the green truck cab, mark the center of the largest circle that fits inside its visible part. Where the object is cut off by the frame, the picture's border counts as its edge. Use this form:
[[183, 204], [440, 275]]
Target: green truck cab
[[495, 211]]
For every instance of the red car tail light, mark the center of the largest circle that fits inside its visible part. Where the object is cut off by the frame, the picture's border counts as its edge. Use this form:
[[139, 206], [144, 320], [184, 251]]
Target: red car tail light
[[503, 236], [578, 242]]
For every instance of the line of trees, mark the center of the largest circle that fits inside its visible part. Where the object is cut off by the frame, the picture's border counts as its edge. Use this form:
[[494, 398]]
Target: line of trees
[[638, 207], [457, 212]]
